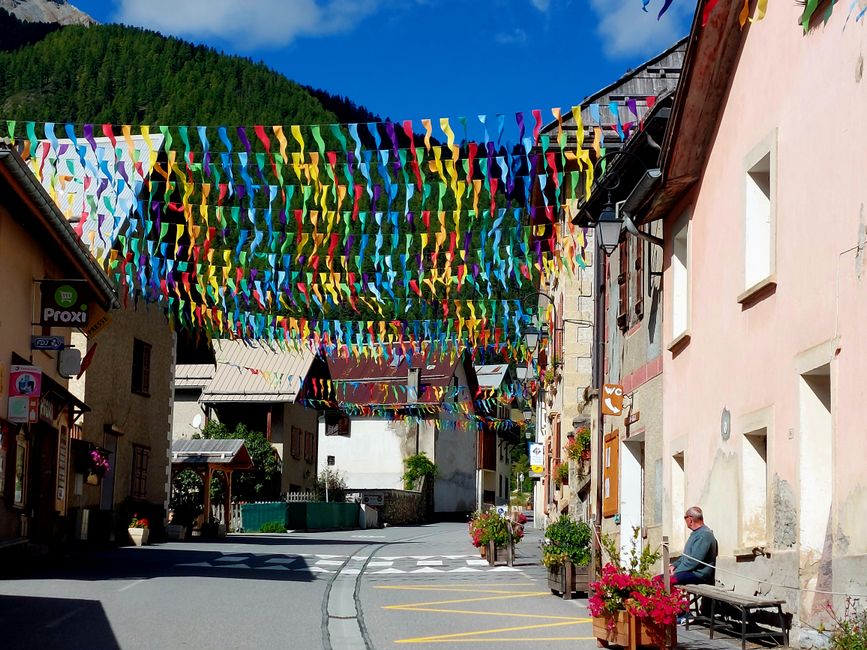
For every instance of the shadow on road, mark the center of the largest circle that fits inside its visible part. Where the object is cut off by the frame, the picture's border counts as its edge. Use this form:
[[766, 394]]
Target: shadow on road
[[29, 622], [225, 558]]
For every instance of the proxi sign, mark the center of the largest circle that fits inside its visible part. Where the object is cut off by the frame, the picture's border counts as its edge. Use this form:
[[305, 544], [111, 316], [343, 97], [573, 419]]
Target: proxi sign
[[64, 303], [612, 399]]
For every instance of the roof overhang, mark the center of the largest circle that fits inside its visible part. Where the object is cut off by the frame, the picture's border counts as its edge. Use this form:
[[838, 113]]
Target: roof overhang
[[30, 191]]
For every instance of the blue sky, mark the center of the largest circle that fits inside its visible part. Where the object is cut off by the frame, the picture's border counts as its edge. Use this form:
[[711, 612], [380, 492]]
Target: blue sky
[[413, 59]]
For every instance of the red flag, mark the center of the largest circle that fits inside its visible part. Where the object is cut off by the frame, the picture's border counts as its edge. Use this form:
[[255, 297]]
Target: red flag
[[85, 362]]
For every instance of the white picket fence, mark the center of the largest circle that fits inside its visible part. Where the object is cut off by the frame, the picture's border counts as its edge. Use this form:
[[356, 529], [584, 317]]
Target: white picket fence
[[218, 512]]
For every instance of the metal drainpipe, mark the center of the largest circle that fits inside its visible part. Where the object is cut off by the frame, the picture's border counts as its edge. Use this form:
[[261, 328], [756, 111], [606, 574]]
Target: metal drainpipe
[[598, 368]]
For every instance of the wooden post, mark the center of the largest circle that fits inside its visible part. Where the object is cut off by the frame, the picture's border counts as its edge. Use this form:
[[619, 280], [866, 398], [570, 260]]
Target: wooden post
[[207, 488], [228, 505], [666, 574], [492, 551], [566, 567], [633, 632]]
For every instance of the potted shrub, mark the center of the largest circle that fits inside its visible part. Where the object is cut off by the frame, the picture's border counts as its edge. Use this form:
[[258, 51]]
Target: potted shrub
[[561, 476], [566, 554], [582, 438], [139, 530], [489, 528], [626, 597]]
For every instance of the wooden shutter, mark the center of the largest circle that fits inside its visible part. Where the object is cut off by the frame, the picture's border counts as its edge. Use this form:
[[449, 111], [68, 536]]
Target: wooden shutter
[[623, 286], [638, 281], [611, 474]]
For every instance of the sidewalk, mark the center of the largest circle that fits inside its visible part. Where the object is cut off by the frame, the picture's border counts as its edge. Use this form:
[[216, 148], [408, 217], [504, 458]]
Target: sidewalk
[[528, 558]]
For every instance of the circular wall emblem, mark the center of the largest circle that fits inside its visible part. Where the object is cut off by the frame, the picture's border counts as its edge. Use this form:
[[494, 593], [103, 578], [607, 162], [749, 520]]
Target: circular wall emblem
[[65, 296]]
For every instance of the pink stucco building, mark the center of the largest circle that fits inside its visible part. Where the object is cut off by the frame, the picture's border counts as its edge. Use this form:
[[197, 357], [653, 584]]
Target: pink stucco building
[[765, 309]]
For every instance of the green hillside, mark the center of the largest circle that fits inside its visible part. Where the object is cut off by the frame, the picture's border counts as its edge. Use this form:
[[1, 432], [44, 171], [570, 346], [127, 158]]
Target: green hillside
[[124, 75]]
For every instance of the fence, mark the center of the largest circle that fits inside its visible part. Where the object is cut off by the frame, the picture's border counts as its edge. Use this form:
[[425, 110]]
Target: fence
[[218, 511]]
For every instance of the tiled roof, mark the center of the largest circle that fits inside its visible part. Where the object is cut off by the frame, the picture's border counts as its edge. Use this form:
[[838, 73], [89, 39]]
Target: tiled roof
[[251, 371], [193, 375], [375, 381], [211, 451]]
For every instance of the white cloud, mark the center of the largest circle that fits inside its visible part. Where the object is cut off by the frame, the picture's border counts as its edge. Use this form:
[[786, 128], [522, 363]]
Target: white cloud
[[247, 25], [541, 5], [515, 37], [626, 30]]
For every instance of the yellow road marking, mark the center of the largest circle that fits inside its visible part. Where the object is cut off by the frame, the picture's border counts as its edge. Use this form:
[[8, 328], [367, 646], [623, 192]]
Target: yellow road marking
[[470, 590], [526, 594], [457, 636], [489, 639], [476, 636], [475, 612]]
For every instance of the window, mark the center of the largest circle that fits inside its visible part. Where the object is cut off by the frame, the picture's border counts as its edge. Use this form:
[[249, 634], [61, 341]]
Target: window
[[295, 443], [141, 367], [140, 457], [630, 281], [678, 500], [309, 447], [754, 488], [759, 217], [680, 281]]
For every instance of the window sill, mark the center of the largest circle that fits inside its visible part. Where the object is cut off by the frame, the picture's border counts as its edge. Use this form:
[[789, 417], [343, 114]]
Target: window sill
[[680, 341], [750, 553], [759, 291]]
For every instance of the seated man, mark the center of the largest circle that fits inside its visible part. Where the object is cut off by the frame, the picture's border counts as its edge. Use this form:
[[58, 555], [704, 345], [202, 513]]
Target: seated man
[[697, 564]]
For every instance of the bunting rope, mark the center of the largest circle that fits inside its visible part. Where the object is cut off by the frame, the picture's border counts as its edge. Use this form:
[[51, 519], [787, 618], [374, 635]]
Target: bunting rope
[[337, 236]]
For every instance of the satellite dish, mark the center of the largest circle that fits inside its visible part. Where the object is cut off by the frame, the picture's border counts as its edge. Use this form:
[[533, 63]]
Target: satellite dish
[[197, 421]]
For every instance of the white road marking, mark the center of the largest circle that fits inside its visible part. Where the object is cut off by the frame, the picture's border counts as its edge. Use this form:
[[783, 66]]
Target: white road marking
[[66, 616], [477, 562], [427, 569], [329, 563], [132, 584], [465, 569], [430, 563]]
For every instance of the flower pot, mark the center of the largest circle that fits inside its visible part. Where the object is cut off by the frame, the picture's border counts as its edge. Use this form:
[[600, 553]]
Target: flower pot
[[92, 479], [649, 633], [139, 536], [578, 579], [612, 630], [483, 551]]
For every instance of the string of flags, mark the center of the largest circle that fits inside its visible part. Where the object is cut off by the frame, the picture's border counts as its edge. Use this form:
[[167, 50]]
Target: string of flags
[[341, 236]]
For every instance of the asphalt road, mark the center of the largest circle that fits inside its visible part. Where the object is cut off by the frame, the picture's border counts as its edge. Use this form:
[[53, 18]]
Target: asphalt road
[[422, 586]]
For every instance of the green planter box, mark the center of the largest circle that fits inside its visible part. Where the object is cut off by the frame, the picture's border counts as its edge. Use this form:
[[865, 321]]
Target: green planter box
[[256, 515], [322, 516]]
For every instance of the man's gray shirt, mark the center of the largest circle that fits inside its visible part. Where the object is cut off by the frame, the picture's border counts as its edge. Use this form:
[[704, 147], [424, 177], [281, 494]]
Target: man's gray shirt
[[702, 546]]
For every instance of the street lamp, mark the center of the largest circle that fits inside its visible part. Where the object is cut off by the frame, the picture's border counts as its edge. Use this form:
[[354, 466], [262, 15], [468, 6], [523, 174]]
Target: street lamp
[[613, 217], [608, 227], [531, 335]]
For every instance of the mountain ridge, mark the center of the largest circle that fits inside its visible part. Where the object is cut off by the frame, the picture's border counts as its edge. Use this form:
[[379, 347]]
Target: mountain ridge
[[47, 11]]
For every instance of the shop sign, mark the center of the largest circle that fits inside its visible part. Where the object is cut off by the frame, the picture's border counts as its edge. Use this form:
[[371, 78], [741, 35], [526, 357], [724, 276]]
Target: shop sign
[[64, 303], [612, 399], [47, 343], [25, 387], [537, 459]]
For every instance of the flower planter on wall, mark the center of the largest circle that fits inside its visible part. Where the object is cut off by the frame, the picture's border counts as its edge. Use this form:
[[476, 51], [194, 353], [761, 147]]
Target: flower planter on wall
[[139, 536], [579, 579]]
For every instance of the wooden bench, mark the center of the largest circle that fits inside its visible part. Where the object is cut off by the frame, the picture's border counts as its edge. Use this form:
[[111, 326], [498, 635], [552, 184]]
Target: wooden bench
[[745, 605]]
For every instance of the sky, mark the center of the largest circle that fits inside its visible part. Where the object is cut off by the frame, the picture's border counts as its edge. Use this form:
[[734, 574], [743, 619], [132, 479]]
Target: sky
[[415, 59]]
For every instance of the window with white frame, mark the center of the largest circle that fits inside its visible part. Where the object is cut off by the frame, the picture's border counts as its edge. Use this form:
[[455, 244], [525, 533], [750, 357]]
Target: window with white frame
[[680, 280], [760, 213], [754, 488], [757, 227]]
